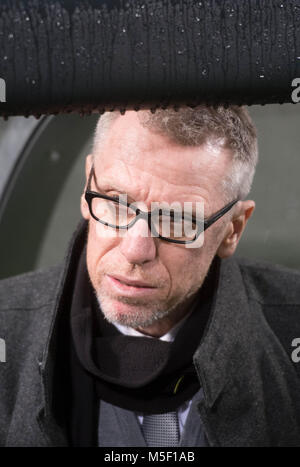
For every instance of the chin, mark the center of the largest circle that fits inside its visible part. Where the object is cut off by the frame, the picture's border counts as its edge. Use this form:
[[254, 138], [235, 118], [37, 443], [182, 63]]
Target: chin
[[130, 314]]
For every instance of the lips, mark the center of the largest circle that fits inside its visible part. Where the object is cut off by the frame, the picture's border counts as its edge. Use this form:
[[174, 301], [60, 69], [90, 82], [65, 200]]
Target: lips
[[132, 283], [123, 286]]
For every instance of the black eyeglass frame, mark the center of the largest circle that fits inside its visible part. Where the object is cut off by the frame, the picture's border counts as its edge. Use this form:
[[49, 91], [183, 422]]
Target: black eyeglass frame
[[201, 225]]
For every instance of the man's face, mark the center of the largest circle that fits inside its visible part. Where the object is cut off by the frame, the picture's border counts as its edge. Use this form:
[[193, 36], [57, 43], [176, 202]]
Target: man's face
[[149, 167]]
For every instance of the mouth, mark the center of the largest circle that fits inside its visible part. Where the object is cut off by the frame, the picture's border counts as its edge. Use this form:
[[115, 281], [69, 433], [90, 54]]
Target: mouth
[[128, 287], [132, 283]]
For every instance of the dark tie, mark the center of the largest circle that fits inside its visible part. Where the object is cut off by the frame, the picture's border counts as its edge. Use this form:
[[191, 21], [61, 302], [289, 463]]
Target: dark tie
[[161, 429]]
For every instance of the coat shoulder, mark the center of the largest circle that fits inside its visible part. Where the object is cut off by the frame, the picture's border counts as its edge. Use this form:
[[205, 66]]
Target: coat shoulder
[[27, 302], [270, 284], [276, 289], [30, 290]]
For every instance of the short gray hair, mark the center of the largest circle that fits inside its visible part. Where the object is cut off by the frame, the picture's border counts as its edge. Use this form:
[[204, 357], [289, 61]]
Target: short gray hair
[[229, 127]]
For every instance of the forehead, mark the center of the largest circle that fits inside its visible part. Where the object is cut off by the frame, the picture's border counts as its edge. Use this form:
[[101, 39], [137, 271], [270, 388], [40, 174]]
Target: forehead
[[134, 157]]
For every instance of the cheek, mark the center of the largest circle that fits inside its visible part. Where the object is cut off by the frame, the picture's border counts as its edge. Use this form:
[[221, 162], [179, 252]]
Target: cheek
[[188, 267], [99, 244], [184, 266], [213, 238]]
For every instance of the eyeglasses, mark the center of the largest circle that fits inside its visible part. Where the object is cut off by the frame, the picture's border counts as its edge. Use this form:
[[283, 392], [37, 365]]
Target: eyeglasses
[[115, 212]]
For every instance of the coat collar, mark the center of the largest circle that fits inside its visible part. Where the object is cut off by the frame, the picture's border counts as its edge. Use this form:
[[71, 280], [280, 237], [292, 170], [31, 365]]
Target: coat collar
[[227, 334], [52, 370]]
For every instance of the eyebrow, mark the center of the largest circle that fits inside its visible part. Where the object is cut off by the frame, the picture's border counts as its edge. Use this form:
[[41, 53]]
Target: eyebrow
[[132, 201], [109, 187]]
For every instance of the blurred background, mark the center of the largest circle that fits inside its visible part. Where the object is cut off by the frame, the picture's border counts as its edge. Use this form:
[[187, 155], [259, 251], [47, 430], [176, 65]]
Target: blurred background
[[42, 178]]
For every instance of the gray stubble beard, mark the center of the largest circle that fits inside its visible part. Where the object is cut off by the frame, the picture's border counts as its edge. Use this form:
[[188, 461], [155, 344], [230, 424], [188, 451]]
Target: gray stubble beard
[[136, 319]]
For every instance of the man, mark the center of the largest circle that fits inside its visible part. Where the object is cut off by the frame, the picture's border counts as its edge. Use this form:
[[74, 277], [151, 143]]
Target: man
[[147, 336]]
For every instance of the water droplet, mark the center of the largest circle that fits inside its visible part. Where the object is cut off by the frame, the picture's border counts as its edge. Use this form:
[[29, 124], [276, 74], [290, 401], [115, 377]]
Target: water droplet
[[33, 81], [124, 29], [5, 57], [27, 18], [62, 62], [228, 46], [54, 156], [204, 72], [10, 36], [138, 15], [261, 76], [197, 19]]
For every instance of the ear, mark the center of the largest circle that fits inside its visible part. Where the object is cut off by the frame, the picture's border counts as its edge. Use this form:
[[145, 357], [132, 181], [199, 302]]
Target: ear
[[235, 229], [83, 204]]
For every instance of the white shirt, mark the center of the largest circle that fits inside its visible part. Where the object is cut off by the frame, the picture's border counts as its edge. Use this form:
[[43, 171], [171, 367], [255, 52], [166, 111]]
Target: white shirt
[[183, 410]]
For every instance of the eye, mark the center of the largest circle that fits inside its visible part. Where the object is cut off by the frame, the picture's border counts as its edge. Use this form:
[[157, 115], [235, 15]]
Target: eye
[[116, 196]]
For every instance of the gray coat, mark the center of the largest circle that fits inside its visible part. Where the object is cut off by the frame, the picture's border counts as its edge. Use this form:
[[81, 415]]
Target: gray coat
[[251, 385]]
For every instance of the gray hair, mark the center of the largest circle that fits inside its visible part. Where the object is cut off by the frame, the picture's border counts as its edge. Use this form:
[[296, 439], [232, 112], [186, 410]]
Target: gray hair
[[228, 127]]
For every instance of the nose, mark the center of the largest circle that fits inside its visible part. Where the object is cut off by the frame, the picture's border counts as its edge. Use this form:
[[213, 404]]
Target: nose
[[137, 245]]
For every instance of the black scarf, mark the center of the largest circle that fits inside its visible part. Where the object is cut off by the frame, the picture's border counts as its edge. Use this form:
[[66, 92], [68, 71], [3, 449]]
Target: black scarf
[[136, 373]]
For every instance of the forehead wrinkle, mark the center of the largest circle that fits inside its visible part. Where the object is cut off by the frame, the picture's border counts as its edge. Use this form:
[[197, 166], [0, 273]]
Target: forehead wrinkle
[[184, 178], [204, 183], [113, 176], [135, 153], [166, 194]]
